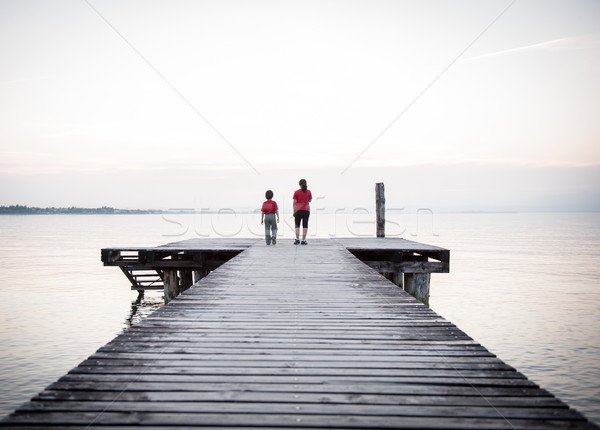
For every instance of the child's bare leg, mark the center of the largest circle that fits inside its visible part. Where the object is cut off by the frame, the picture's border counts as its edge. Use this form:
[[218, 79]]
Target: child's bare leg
[[304, 231], [297, 232]]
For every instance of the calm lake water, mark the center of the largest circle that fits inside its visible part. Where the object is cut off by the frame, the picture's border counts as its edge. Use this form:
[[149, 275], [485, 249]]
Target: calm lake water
[[526, 286]]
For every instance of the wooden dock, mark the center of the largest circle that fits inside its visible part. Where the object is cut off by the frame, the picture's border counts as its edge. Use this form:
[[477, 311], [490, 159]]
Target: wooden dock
[[294, 337], [174, 267]]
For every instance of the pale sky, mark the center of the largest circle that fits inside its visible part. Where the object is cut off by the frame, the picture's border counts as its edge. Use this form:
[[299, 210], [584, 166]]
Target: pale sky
[[461, 105]]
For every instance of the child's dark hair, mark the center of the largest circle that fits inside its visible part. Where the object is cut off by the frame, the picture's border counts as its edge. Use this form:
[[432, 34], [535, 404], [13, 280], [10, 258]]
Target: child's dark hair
[[303, 185], [269, 194]]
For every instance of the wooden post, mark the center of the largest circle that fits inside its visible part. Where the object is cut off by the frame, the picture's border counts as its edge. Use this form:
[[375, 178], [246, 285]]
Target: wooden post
[[171, 284], [398, 279], [417, 285], [380, 208], [395, 277], [199, 274], [186, 280]]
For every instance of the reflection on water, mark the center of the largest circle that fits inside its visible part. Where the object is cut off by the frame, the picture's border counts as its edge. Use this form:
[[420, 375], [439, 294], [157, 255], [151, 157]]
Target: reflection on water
[[144, 304]]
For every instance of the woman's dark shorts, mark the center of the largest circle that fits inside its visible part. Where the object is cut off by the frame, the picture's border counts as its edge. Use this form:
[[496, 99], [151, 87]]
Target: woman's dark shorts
[[301, 216]]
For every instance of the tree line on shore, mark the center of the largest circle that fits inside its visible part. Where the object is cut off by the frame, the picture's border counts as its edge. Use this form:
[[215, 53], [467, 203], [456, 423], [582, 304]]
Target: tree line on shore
[[104, 210]]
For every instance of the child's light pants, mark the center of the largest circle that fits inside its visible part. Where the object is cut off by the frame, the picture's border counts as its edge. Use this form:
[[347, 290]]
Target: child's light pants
[[270, 228]]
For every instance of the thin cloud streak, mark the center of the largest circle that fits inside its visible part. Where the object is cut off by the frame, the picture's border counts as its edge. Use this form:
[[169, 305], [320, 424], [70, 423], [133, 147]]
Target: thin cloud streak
[[442, 73], [563, 44]]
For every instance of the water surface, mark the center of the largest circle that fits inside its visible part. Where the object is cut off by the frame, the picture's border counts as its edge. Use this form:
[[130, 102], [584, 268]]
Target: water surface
[[523, 285]]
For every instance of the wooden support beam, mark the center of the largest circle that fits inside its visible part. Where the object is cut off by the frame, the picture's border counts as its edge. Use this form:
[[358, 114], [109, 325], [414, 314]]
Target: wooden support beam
[[423, 267], [128, 275], [110, 256], [397, 278], [186, 280], [417, 285], [199, 274], [171, 284], [407, 266]]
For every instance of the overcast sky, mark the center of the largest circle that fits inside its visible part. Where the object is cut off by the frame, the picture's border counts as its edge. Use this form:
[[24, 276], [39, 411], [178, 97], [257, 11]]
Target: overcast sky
[[461, 105]]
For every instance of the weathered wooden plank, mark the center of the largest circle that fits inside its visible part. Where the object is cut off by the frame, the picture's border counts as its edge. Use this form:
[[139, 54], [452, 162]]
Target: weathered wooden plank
[[294, 419], [281, 408], [425, 424], [365, 364], [297, 378], [398, 343], [350, 336], [388, 243], [310, 345], [300, 353], [423, 372], [542, 400], [347, 388], [324, 359]]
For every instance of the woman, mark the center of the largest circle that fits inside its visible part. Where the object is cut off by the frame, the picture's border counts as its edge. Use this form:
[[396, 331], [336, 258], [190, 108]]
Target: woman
[[302, 198]]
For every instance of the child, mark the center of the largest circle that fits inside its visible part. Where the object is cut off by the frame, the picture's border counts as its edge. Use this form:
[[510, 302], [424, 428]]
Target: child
[[302, 199], [269, 212]]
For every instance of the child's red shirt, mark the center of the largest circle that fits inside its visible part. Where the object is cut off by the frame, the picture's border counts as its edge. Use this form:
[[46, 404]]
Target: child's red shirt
[[302, 200], [269, 207]]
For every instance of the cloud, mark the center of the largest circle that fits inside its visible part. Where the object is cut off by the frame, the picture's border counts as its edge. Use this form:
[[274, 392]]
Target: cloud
[[556, 45]]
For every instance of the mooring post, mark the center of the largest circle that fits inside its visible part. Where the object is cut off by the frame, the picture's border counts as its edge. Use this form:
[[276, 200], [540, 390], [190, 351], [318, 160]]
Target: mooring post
[[380, 208]]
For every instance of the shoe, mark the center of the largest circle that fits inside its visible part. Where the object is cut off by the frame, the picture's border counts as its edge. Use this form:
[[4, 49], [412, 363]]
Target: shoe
[[273, 241], [297, 242], [303, 243]]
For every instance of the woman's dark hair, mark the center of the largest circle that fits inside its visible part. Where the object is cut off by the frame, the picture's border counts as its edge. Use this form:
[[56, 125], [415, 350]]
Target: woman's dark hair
[[303, 185], [269, 194]]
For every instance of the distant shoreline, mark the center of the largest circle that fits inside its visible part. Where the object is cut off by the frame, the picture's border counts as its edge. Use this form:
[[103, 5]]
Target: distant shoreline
[[105, 210]]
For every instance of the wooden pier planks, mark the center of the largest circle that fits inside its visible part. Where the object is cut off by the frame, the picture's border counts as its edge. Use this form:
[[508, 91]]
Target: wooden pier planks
[[295, 337]]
